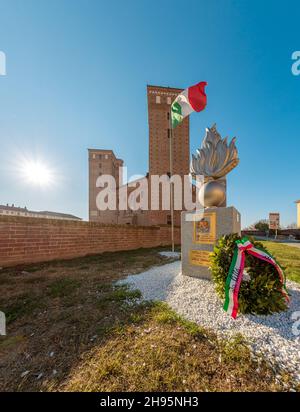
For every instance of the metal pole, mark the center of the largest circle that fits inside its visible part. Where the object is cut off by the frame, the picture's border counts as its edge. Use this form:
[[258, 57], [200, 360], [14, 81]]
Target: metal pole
[[171, 172]]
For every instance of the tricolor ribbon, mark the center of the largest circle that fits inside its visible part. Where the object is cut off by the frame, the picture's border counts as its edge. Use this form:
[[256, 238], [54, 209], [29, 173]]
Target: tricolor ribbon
[[236, 271]]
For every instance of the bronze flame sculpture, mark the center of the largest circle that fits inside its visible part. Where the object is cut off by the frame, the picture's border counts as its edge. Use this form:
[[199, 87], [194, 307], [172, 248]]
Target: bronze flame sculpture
[[214, 160]]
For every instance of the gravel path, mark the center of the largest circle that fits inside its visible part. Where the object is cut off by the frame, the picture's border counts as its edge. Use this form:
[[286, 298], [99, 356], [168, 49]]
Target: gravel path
[[197, 301]]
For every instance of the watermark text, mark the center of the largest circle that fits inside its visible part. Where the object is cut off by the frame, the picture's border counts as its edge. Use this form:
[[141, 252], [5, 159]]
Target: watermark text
[[2, 323], [2, 63], [296, 64]]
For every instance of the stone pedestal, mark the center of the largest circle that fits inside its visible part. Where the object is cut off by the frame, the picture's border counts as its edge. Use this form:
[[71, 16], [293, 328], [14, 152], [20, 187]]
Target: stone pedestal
[[199, 234]]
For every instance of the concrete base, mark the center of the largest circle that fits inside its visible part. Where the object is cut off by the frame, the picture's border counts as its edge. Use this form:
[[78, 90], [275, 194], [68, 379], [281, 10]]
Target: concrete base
[[199, 234]]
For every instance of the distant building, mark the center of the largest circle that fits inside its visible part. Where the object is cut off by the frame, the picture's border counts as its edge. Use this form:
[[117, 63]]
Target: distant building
[[102, 162], [23, 211], [298, 213], [105, 162]]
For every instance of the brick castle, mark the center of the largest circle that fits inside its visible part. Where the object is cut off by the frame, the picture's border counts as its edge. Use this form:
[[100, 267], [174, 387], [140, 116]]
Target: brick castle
[[105, 162]]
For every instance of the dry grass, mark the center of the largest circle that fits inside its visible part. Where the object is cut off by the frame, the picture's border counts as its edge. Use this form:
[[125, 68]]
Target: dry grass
[[70, 327], [60, 307], [161, 352]]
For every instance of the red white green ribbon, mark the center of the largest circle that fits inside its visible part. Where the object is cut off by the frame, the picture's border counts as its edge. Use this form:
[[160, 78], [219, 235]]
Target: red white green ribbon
[[236, 271]]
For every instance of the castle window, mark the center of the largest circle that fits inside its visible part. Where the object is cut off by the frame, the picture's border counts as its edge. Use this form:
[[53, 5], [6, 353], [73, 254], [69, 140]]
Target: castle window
[[169, 101], [157, 99]]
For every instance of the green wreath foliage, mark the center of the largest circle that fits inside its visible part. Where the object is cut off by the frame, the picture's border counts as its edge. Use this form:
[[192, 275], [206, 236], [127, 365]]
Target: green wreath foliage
[[260, 294]]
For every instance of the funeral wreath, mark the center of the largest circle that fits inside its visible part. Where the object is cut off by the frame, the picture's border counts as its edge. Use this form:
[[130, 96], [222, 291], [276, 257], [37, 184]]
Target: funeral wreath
[[247, 277]]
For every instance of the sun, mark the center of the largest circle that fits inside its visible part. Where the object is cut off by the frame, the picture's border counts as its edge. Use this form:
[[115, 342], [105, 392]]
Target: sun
[[37, 173]]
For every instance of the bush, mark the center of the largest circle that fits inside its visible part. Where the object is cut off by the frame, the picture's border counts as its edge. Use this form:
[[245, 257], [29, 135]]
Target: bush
[[262, 225], [261, 294]]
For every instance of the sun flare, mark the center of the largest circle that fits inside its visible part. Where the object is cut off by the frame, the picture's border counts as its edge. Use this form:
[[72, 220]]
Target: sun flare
[[37, 173]]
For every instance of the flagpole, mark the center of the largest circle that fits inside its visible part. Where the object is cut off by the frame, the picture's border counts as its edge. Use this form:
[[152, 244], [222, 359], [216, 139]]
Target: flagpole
[[171, 172]]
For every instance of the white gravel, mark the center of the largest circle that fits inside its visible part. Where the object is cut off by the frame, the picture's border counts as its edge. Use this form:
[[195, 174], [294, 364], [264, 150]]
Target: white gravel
[[170, 254], [195, 299]]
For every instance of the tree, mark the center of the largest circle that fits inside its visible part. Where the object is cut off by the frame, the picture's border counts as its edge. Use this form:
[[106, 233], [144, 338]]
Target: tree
[[262, 225]]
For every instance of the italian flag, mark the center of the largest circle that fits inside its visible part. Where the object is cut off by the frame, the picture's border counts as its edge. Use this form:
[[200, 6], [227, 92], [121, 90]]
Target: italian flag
[[190, 100]]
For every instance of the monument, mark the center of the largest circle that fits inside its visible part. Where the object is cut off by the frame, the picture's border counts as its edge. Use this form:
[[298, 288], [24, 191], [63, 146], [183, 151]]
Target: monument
[[201, 229]]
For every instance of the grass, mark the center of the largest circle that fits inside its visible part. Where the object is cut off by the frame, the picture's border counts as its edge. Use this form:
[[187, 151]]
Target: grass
[[10, 342], [63, 287], [64, 307], [22, 306], [121, 293], [160, 351], [73, 328], [288, 257]]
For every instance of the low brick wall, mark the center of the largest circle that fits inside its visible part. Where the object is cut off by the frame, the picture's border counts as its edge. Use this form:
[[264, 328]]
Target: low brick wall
[[293, 232], [30, 240], [281, 232], [253, 233]]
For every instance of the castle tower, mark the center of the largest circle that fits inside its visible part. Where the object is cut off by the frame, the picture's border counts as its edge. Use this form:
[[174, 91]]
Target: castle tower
[[102, 162], [159, 102]]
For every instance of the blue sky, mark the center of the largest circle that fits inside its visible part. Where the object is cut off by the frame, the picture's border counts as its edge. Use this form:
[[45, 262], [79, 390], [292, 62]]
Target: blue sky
[[76, 78]]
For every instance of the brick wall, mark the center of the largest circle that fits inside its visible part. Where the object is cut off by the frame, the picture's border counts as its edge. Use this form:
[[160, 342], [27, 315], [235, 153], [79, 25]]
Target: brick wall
[[293, 232], [260, 233], [29, 240], [281, 232]]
